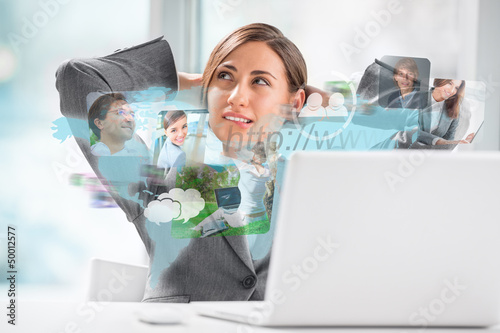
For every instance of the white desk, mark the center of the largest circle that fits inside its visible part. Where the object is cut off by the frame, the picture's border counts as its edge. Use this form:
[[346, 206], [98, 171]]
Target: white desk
[[73, 317]]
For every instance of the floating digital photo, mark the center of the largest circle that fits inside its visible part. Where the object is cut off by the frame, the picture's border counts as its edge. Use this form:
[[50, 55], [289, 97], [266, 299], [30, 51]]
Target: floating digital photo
[[403, 82], [398, 109], [180, 141], [234, 199], [179, 138], [120, 122], [454, 117]]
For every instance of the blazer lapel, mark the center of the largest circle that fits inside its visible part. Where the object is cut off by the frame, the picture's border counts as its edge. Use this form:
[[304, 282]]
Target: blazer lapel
[[443, 123], [240, 247], [425, 116]]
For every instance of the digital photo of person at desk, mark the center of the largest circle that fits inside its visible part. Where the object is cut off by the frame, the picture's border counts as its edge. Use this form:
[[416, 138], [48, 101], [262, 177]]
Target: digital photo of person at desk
[[176, 129], [438, 122], [442, 117]]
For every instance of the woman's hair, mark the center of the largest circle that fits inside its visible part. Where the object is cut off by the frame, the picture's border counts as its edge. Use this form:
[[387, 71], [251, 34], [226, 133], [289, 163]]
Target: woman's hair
[[407, 63], [100, 108], [452, 104], [171, 117], [294, 64]]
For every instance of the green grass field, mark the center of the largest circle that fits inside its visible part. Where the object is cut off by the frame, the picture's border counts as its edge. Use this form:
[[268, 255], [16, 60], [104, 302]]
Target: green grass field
[[183, 230]]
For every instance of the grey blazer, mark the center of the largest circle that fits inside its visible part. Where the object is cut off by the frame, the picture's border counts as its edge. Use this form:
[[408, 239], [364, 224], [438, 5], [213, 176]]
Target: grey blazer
[[445, 130], [208, 269]]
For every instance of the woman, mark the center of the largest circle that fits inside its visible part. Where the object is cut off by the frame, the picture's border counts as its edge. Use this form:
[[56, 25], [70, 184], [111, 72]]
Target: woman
[[176, 128], [438, 122], [250, 74], [252, 185]]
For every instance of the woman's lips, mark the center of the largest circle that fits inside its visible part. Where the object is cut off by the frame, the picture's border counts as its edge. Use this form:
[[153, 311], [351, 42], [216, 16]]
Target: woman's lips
[[238, 120], [180, 140]]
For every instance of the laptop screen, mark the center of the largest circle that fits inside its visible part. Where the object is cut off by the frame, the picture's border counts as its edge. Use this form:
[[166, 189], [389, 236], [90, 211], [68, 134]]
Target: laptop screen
[[227, 196]]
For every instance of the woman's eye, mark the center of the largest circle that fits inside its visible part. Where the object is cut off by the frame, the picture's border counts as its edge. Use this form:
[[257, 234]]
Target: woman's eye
[[224, 76], [261, 81]]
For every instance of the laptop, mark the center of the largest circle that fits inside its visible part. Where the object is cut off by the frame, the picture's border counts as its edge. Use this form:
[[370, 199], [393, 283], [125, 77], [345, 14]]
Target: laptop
[[228, 199], [382, 239]]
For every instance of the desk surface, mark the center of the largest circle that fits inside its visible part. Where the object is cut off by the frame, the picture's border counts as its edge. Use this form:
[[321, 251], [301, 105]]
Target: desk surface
[[95, 317]]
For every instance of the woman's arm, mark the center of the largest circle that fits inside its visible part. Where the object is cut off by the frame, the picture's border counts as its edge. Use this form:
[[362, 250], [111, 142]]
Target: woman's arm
[[426, 137], [188, 81], [450, 134], [134, 69]]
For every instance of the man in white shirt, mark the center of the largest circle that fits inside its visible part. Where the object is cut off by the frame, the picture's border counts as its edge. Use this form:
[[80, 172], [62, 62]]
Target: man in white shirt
[[112, 120]]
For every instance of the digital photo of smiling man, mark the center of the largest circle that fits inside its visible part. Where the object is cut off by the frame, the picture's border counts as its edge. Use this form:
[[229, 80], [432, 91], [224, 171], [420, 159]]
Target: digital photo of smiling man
[[111, 119]]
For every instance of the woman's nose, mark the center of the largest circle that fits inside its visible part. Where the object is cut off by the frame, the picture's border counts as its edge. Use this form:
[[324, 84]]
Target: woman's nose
[[238, 96]]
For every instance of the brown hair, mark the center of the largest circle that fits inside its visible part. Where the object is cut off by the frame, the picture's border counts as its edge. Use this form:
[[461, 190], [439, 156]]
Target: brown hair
[[407, 63], [100, 107], [452, 104], [171, 117], [293, 61]]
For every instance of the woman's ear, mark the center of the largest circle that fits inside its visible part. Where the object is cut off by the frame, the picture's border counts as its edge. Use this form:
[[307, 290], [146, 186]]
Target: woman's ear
[[299, 99]]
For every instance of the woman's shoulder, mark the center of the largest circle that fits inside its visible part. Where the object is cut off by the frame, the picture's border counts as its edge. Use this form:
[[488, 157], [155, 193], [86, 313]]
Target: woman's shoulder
[[173, 150]]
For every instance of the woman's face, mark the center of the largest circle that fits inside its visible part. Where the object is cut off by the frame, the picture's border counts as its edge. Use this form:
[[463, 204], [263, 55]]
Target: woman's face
[[448, 90], [246, 91], [404, 78], [177, 131]]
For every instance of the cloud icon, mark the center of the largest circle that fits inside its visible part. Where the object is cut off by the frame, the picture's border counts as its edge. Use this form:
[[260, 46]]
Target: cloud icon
[[162, 210], [191, 202]]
